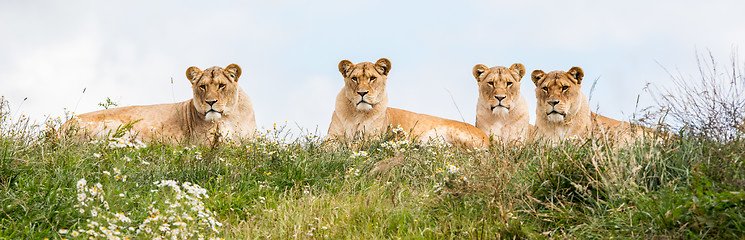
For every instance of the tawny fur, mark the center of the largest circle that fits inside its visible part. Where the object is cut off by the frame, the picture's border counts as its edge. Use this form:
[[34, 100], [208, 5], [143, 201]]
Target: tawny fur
[[501, 110], [194, 120], [563, 111], [362, 110]]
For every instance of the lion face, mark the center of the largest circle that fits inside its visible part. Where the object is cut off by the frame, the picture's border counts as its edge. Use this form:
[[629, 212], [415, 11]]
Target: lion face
[[365, 82], [558, 93], [499, 87], [215, 90]]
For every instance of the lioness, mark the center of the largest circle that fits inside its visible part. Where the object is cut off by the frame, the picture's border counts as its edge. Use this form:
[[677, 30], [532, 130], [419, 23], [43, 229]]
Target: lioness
[[362, 109], [218, 103], [563, 111], [501, 111]]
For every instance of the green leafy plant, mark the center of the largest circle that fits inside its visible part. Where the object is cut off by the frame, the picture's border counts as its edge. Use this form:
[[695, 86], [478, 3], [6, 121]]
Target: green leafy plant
[[108, 103]]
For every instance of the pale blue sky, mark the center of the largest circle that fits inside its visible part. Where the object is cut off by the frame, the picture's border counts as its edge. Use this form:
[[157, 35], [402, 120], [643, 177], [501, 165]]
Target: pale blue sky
[[289, 50]]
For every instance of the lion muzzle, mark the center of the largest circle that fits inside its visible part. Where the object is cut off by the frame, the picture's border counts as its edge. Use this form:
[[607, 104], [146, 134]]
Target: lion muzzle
[[555, 116], [213, 115], [364, 106]]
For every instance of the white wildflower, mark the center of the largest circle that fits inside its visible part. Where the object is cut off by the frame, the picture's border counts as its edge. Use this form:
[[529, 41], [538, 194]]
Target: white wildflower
[[123, 218], [356, 154], [452, 168], [81, 183]]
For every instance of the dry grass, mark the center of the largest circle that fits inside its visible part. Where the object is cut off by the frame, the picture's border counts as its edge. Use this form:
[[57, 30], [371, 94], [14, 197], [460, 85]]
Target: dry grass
[[710, 105]]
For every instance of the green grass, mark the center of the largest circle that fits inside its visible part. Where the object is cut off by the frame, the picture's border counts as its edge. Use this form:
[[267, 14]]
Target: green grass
[[307, 189], [689, 186], [375, 188]]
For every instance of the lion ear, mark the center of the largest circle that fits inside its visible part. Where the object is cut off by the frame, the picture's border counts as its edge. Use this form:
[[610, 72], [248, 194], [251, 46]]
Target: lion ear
[[344, 67], [478, 70], [537, 76], [577, 74], [193, 73], [520, 70], [383, 66], [234, 72]]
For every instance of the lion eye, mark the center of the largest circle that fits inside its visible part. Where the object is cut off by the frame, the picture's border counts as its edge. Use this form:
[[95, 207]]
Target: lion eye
[[564, 88], [354, 79], [509, 84], [545, 89], [491, 83], [203, 87], [221, 85], [372, 79]]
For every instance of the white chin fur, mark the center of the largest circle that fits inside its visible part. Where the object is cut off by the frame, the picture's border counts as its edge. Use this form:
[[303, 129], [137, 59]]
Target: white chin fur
[[364, 106], [212, 116], [555, 118], [500, 111]]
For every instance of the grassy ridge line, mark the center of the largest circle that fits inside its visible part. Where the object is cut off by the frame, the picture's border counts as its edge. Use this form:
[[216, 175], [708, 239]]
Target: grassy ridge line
[[380, 188], [385, 188]]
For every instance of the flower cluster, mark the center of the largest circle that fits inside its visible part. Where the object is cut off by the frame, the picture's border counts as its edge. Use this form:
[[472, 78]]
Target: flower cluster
[[571, 138], [117, 175], [398, 129], [477, 149], [179, 214], [275, 136], [122, 143], [184, 215], [452, 168], [103, 223], [352, 171], [398, 146], [263, 184], [356, 154], [438, 142], [307, 192]]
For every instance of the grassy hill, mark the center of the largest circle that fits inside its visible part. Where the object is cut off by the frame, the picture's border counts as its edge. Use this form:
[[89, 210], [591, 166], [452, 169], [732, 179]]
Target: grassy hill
[[688, 186], [378, 188]]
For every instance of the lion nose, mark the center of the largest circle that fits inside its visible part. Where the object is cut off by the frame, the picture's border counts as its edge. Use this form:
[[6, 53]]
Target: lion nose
[[553, 102], [211, 102], [500, 97], [362, 93]]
